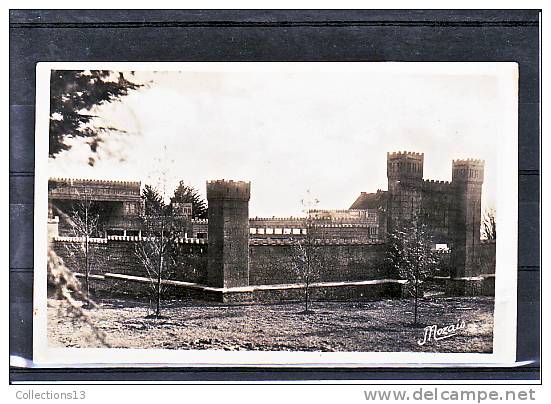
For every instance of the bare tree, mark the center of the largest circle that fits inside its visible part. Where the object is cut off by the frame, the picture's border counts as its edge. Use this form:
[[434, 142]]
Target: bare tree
[[488, 225], [85, 225], [410, 252], [158, 249], [307, 252]]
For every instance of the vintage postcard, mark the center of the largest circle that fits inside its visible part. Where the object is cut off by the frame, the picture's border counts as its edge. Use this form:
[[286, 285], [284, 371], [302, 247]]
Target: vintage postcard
[[276, 214]]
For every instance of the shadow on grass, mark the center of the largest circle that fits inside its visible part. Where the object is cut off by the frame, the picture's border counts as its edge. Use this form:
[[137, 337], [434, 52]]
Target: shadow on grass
[[223, 315], [157, 317], [307, 312]]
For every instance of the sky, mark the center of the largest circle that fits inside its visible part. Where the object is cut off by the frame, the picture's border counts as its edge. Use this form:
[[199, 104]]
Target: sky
[[295, 130]]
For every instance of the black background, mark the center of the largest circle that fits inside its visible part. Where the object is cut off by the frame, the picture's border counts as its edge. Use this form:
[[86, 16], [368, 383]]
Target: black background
[[284, 35]]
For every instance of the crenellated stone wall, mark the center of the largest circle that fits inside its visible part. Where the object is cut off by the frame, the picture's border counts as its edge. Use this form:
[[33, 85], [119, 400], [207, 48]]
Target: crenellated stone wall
[[272, 262], [117, 254], [270, 268]]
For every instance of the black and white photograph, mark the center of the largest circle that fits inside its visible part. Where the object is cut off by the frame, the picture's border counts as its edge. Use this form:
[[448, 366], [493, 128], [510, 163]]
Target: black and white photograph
[[275, 213]]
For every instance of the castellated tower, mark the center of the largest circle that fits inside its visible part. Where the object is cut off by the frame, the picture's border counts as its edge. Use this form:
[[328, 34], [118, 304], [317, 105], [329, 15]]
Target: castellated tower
[[405, 180], [228, 251], [465, 206]]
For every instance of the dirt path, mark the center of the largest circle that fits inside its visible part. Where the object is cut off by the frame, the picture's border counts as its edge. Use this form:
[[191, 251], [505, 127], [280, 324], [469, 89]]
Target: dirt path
[[370, 326]]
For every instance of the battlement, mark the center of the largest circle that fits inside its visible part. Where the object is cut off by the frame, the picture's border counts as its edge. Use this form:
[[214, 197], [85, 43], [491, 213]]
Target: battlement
[[229, 189], [91, 240], [436, 185], [470, 162], [342, 224], [346, 211], [402, 154], [294, 221], [180, 240], [471, 170], [405, 166], [278, 219], [330, 210], [76, 182], [321, 242], [97, 190], [435, 182]]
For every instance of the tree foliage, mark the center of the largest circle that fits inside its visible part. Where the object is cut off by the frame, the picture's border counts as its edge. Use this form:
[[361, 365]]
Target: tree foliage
[[73, 95], [411, 254], [153, 201], [188, 194]]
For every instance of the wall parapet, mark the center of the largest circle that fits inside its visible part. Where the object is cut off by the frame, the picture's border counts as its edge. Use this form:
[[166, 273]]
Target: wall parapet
[[404, 153], [228, 189], [84, 181], [469, 161], [297, 220], [99, 190], [436, 185], [281, 219], [321, 242], [180, 240], [94, 240], [337, 210]]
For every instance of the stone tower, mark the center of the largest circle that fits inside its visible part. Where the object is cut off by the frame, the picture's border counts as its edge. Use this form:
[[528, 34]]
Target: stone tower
[[465, 206], [228, 229], [405, 180]]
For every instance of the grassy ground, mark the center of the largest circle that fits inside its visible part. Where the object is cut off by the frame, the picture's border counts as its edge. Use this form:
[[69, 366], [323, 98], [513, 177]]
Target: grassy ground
[[344, 326]]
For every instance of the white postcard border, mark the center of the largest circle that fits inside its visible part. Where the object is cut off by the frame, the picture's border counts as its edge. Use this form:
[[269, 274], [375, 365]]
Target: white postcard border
[[504, 336]]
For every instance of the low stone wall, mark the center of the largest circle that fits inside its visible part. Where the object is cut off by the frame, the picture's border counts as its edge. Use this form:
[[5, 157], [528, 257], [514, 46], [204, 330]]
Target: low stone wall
[[109, 285], [383, 289], [131, 287], [477, 286]]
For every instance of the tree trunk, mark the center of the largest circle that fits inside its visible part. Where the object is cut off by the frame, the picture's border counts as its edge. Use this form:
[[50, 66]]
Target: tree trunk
[[86, 251], [415, 305], [158, 310], [86, 267], [306, 299]]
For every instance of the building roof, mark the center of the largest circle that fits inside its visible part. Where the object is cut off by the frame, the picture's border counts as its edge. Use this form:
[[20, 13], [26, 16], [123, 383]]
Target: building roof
[[373, 200]]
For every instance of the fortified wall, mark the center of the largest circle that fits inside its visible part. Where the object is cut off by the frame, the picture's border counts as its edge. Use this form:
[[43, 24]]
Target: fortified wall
[[347, 265], [450, 210], [270, 261], [231, 257]]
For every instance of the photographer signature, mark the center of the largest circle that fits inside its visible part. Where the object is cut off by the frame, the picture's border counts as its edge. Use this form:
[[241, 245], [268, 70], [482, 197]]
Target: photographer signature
[[433, 332]]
